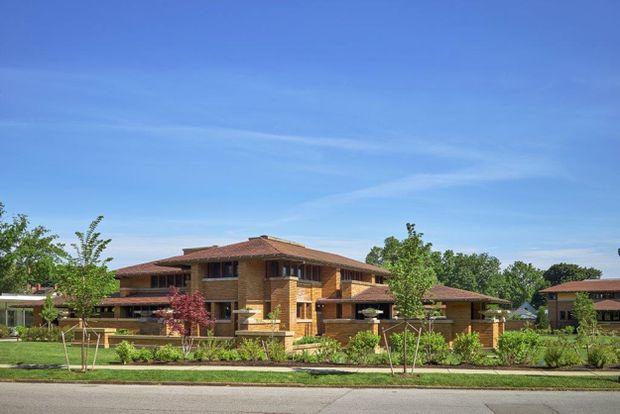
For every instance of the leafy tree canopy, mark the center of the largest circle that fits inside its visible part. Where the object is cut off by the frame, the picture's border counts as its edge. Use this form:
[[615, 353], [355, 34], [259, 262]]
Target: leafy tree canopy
[[27, 255], [520, 282], [566, 272]]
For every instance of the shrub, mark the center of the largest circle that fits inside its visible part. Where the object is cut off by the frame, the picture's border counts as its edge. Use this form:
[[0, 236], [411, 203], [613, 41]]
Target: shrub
[[39, 334], [398, 341], [467, 347], [20, 330], [123, 331], [433, 348], [601, 355], [560, 353], [143, 355], [328, 349], [168, 353], [305, 357], [227, 355], [251, 350], [361, 346], [4, 331], [126, 352], [518, 347], [209, 349], [275, 350], [308, 340]]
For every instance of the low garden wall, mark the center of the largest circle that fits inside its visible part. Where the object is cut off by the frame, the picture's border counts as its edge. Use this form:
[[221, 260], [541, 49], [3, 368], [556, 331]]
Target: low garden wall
[[160, 340], [442, 326], [489, 331], [517, 325], [343, 329], [135, 326], [284, 337]]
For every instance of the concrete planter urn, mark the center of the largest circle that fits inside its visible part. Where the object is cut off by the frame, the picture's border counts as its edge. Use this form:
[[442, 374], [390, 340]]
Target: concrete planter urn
[[370, 313], [495, 315]]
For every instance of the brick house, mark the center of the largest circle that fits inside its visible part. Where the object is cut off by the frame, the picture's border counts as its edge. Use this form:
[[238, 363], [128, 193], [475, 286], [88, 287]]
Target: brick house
[[605, 294], [318, 293]]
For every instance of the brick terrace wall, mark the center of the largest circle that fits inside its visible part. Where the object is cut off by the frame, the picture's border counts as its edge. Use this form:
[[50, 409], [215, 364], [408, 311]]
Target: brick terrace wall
[[135, 326], [443, 327], [216, 289], [224, 329], [517, 325], [156, 340], [343, 329]]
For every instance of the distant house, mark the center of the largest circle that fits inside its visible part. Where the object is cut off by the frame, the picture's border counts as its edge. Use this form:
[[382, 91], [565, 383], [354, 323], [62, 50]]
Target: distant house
[[318, 293], [604, 292], [524, 312]]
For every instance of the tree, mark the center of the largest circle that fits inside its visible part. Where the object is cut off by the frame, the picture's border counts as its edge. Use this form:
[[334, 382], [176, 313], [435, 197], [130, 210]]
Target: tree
[[542, 319], [584, 312], [49, 312], [566, 272], [187, 314], [412, 275], [475, 272], [381, 256], [520, 282], [27, 255], [85, 279]]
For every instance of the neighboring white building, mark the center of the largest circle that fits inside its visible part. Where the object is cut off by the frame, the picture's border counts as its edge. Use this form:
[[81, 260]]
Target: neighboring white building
[[16, 316]]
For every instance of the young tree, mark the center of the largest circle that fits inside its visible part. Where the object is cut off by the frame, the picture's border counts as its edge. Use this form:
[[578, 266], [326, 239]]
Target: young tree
[[542, 320], [584, 312], [49, 312], [187, 313], [26, 255], [85, 279], [412, 275]]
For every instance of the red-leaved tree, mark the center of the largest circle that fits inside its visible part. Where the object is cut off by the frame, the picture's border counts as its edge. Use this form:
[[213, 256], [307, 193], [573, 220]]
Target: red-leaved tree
[[187, 313]]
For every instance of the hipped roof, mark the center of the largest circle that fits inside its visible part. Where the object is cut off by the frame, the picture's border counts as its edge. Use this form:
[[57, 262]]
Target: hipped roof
[[266, 247], [588, 285]]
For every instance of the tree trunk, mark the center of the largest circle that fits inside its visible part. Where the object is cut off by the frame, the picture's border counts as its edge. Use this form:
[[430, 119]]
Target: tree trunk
[[405, 348], [83, 345]]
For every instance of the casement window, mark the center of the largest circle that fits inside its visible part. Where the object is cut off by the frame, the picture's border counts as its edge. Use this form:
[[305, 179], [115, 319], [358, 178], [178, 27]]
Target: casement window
[[300, 310], [223, 310], [339, 311], [563, 315], [165, 281], [218, 270], [346, 274], [551, 296], [379, 279], [274, 268]]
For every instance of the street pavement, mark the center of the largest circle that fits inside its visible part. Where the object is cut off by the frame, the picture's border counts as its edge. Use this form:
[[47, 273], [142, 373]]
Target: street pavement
[[18, 398], [348, 369]]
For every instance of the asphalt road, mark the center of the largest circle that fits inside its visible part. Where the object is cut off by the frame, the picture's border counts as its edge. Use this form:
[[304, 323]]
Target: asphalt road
[[76, 398]]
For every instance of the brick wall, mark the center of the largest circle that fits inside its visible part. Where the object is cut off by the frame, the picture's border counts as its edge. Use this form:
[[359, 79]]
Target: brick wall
[[284, 293], [330, 277], [489, 332], [443, 327], [460, 314], [343, 329]]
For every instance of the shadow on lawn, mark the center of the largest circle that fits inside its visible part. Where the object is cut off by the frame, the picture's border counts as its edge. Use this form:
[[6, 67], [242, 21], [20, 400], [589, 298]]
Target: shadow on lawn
[[39, 366]]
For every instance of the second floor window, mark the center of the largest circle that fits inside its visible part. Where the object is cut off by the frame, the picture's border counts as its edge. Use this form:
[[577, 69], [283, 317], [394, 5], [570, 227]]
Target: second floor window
[[346, 274], [218, 270], [302, 271], [165, 281]]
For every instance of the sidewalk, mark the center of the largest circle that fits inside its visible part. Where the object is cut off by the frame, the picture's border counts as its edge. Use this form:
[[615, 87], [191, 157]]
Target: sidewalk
[[425, 370]]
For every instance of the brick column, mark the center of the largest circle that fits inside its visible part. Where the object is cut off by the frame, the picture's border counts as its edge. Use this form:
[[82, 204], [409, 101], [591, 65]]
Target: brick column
[[284, 293]]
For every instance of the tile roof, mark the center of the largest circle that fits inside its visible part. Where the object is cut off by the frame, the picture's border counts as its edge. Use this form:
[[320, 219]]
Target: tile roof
[[607, 305], [437, 293], [149, 268], [266, 247], [588, 285]]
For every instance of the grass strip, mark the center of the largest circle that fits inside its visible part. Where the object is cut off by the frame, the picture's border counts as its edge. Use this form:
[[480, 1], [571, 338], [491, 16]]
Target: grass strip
[[325, 378]]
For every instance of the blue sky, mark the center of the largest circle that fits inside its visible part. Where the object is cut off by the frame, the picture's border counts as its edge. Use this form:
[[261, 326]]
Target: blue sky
[[491, 125]]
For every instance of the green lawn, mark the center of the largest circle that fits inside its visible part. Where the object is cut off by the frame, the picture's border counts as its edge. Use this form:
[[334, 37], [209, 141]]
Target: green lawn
[[325, 378], [48, 353]]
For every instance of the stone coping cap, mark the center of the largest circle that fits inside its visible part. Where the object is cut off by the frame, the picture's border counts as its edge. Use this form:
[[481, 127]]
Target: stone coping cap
[[264, 333]]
